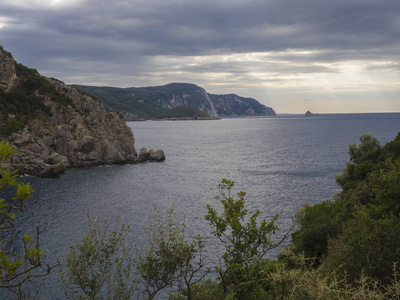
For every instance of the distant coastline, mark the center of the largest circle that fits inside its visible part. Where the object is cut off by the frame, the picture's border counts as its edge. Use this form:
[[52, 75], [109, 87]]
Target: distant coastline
[[188, 119]]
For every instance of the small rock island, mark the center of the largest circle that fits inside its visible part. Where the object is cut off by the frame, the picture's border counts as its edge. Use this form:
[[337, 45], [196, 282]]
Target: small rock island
[[310, 114]]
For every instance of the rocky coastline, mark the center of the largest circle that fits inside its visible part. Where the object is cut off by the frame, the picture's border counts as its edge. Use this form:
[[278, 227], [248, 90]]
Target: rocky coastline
[[77, 133]]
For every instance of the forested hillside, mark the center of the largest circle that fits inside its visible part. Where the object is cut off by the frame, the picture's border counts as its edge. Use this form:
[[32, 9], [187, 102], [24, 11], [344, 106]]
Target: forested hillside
[[148, 102]]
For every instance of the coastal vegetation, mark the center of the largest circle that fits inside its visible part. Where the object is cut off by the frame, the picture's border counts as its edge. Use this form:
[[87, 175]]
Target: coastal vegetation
[[21, 258], [343, 248], [150, 102], [124, 101], [26, 100], [355, 233], [182, 112], [101, 266]]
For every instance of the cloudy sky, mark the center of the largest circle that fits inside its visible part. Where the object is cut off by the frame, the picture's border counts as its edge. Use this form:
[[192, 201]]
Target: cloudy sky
[[292, 55]]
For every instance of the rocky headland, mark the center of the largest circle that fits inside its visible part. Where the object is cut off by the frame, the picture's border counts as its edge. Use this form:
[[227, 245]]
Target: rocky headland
[[54, 126], [151, 102]]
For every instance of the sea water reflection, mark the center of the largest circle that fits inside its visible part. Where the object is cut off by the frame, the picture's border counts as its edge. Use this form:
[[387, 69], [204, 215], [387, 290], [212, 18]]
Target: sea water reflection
[[281, 162]]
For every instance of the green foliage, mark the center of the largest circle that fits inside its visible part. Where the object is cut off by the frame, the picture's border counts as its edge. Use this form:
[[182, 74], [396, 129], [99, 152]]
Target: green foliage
[[363, 159], [367, 246], [309, 282], [355, 234], [245, 243], [120, 115], [320, 223], [101, 266], [26, 100], [6, 151], [5, 52], [10, 126], [368, 241], [17, 108], [392, 149], [354, 253], [181, 112], [384, 185], [123, 100], [205, 290], [24, 71], [169, 258], [149, 102], [20, 262]]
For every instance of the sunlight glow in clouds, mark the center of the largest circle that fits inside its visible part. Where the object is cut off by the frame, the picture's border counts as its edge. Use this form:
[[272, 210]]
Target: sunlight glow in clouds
[[289, 81], [279, 69], [4, 21], [39, 4], [327, 56]]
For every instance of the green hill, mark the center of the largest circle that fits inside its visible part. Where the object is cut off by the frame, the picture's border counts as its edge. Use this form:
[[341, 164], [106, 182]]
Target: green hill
[[149, 102], [182, 112], [124, 100]]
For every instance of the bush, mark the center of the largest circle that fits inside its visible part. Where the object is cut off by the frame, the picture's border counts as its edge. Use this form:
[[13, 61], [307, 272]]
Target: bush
[[101, 266], [21, 258], [355, 234]]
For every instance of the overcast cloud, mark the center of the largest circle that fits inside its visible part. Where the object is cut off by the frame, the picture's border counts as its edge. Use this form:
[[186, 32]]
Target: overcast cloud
[[297, 55]]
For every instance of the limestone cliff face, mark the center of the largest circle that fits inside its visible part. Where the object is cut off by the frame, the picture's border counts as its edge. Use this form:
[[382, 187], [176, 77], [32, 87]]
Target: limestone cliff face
[[186, 94], [149, 102], [77, 134], [197, 97], [234, 105]]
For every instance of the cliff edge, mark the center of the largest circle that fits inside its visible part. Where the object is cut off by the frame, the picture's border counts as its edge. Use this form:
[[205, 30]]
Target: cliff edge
[[54, 126]]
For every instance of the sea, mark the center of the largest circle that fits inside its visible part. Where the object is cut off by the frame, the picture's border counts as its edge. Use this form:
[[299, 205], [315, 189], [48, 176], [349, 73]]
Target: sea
[[281, 162]]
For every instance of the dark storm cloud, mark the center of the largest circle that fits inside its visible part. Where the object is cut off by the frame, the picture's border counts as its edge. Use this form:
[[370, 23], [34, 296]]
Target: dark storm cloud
[[201, 27]]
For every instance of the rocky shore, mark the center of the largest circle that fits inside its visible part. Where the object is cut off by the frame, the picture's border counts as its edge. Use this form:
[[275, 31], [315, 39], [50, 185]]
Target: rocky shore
[[77, 134]]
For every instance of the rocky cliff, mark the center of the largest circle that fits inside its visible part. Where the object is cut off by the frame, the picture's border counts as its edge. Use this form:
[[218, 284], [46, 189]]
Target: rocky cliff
[[149, 102], [233, 105], [183, 94], [62, 127]]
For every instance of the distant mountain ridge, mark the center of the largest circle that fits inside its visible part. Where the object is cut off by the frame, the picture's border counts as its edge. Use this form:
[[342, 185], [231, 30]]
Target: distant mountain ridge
[[149, 102]]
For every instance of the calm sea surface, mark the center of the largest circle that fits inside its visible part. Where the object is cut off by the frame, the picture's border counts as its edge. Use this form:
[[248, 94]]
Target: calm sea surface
[[281, 162]]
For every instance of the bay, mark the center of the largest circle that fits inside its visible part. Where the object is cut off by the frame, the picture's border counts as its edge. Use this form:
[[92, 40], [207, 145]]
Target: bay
[[280, 162]]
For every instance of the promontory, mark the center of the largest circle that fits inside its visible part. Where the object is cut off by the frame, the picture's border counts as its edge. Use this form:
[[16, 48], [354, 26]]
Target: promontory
[[54, 126]]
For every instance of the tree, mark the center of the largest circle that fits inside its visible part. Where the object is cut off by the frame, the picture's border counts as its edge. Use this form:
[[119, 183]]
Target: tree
[[319, 223], [368, 246], [21, 259], [363, 159], [354, 235], [368, 242], [101, 266], [169, 259], [246, 244]]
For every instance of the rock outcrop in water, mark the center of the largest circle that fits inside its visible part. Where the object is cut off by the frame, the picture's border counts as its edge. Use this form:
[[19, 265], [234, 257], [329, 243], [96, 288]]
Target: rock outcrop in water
[[145, 155], [310, 114], [67, 129]]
